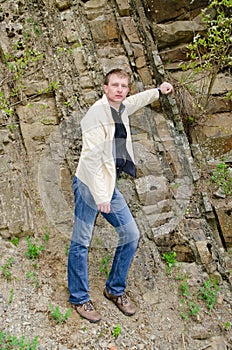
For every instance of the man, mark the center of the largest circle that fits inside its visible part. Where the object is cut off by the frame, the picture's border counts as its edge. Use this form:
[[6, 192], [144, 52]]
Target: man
[[106, 152]]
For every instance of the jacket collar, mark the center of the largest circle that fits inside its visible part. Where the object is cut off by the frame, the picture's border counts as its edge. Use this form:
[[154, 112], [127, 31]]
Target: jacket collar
[[106, 103]]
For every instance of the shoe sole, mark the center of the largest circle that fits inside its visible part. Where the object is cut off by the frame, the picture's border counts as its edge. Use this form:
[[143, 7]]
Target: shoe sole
[[91, 320], [124, 312]]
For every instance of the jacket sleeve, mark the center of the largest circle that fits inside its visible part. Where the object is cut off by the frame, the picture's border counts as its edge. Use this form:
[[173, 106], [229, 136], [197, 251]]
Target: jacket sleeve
[[135, 102], [96, 164]]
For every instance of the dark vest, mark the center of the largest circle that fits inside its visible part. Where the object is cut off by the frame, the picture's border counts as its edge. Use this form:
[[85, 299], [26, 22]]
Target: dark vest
[[122, 158]]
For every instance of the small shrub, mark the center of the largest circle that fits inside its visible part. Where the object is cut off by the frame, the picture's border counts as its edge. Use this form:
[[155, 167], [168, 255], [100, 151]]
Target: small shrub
[[209, 293], [32, 276], [9, 341], [184, 289], [11, 297], [182, 277], [208, 52], [183, 315], [170, 258], [191, 308], [46, 234], [227, 326], [194, 308], [104, 267], [6, 268], [15, 241], [116, 331], [33, 250], [57, 315], [223, 178]]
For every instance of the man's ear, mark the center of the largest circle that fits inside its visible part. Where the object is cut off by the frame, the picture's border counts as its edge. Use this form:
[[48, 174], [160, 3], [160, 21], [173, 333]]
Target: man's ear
[[105, 88]]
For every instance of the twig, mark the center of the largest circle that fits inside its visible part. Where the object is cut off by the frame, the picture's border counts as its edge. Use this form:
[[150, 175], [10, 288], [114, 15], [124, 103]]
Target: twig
[[183, 341], [25, 99]]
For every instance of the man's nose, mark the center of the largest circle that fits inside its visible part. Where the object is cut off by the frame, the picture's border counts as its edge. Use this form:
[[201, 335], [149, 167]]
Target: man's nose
[[119, 87]]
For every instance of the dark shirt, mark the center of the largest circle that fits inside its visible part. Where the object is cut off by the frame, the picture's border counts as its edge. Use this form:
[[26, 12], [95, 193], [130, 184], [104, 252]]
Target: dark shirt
[[123, 160]]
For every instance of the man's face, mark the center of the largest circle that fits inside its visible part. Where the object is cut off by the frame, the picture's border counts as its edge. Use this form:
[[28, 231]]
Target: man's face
[[116, 90]]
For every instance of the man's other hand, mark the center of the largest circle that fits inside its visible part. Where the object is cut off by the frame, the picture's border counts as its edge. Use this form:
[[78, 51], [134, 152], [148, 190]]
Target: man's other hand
[[104, 207]]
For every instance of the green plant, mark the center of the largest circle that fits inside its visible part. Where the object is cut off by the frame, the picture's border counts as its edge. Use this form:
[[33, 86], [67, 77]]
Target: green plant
[[63, 50], [15, 241], [32, 276], [57, 315], [11, 127], [184, 289], [23, 59], [11, 297], [228, 95], [209, 293], [53, 86], [66, 249], [35, 265], [227, 326], [191, 119], [183, 315], [37, 30], [46, 121], [182, 277], [34, 26], [46, 234], [38, 209], [208, 52], [8, 341], [6, 268], [194, 308], [116, 331], [223, 178], [67, 103], [170, 260], [33, 250], [17, 66], [104, 267], [191, 308]]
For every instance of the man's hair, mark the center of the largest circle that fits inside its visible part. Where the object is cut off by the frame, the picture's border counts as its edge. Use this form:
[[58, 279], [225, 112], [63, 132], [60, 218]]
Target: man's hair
[[120, 72]]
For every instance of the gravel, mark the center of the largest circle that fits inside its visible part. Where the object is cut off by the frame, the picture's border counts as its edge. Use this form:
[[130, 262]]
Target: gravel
[[25, 297]]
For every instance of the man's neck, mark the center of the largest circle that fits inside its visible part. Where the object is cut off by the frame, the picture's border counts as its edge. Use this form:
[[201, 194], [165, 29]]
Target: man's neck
[[115, 105]]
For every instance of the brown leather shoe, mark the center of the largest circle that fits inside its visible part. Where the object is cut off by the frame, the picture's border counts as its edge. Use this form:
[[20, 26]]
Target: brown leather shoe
[[87, 311], [122, 302]]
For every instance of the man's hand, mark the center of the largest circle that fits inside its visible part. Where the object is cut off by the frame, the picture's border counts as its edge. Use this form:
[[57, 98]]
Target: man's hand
[[166, 88], [104, 207]]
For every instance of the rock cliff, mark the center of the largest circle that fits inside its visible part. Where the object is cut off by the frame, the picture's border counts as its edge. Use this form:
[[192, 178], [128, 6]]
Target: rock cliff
[[54, 54]]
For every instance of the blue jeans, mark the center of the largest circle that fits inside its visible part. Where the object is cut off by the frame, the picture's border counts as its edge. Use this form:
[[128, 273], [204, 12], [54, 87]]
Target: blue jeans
[[122, 220]]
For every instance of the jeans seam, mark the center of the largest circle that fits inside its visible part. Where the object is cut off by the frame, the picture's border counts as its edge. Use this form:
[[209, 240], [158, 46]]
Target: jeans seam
[[113, 277], [118, 261]]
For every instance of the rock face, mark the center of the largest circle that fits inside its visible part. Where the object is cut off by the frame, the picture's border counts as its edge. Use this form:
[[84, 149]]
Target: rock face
[[53, 56]]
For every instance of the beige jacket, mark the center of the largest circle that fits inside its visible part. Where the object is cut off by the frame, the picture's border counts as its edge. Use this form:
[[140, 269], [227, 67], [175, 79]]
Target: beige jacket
[[96, 167]]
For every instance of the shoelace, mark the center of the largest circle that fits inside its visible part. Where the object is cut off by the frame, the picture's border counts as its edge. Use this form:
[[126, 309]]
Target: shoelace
[[88, 306], [123, 299]]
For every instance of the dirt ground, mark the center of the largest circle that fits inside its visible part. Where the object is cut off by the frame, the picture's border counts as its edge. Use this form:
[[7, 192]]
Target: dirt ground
[[170, 313]]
